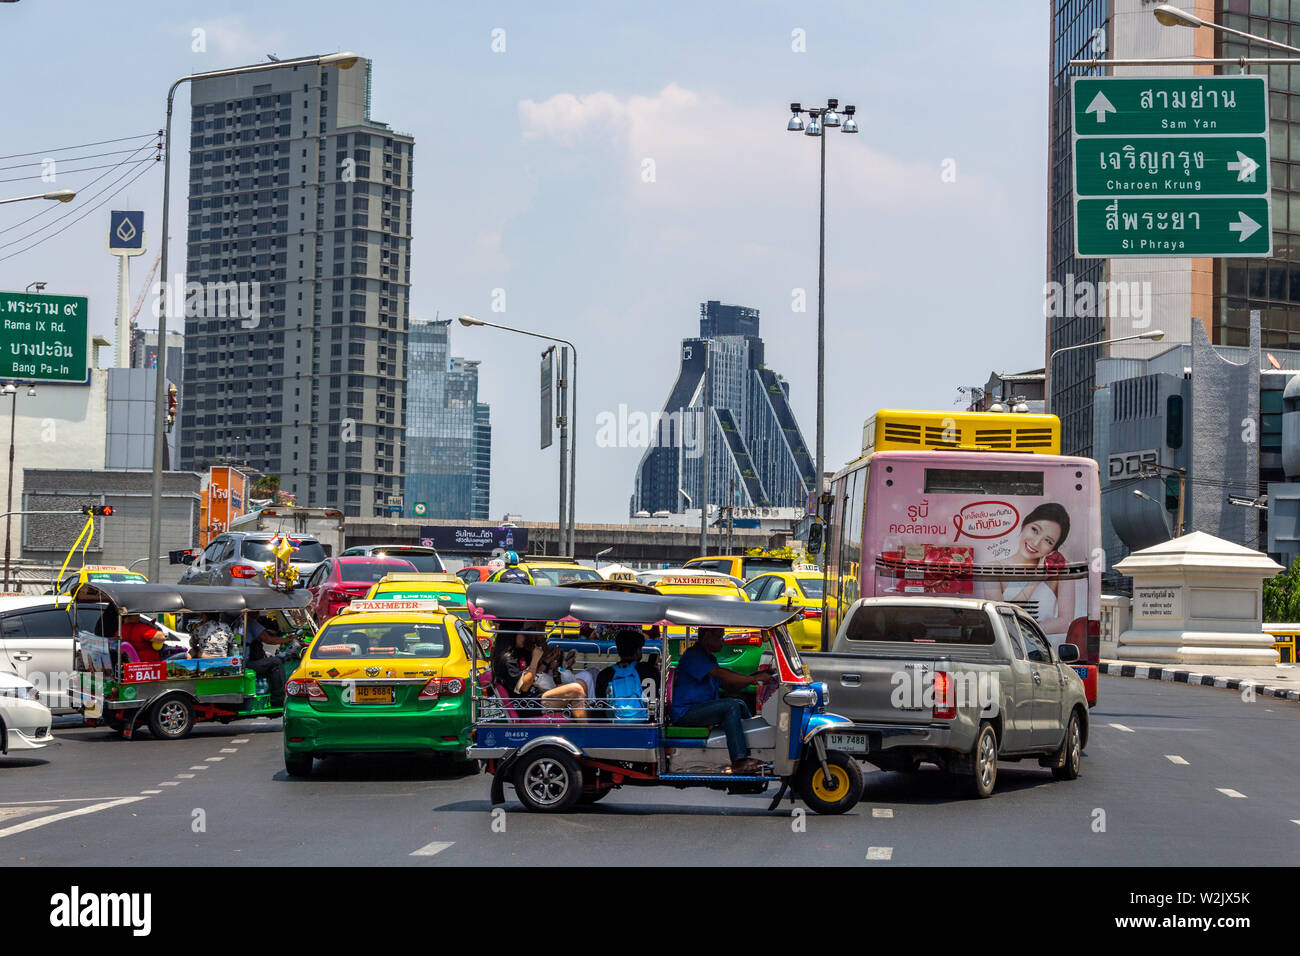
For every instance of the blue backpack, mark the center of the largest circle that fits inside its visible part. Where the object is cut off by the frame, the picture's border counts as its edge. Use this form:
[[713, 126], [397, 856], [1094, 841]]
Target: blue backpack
[[624, 693]]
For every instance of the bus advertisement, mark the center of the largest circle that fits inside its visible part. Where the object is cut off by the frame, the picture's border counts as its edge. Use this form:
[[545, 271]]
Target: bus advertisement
[[1004, 526]]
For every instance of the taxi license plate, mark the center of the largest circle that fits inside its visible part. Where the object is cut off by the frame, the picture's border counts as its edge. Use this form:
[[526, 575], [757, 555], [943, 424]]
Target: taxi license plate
[[373, 694], [850, 743]]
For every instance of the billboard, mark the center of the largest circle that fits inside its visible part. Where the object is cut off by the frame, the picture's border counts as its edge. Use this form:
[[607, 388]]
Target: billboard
[[474, 540], [224, 500]]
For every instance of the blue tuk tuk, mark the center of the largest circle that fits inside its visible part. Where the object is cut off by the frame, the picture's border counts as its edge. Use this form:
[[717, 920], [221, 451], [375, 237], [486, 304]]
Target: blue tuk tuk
[[558, 754]]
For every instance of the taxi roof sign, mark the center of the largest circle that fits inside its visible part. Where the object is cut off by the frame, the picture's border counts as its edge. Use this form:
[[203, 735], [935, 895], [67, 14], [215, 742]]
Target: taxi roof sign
[[364, 607]]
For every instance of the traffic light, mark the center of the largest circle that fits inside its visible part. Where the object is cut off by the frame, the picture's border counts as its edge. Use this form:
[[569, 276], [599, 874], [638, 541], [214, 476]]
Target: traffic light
[[1171, 494], [97, 510]]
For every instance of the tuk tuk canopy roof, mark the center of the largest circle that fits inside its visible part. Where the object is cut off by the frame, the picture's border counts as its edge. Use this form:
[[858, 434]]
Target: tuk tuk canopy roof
[[138, 597], [535, 602]]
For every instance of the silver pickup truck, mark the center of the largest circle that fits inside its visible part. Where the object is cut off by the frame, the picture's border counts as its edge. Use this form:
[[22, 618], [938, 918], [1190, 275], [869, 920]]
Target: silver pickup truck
[[958, 682]]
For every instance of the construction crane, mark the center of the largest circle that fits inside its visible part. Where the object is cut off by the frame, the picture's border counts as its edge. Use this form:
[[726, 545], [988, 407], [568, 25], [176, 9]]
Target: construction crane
[[139, 303]]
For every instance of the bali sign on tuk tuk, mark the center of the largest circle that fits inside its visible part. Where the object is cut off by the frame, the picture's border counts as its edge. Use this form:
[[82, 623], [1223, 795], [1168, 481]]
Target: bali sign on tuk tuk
[[124, 684], [558, 752]]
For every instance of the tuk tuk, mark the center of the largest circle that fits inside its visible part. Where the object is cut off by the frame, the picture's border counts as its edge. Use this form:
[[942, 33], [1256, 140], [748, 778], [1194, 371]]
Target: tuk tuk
[[119, 690], [558, 754]]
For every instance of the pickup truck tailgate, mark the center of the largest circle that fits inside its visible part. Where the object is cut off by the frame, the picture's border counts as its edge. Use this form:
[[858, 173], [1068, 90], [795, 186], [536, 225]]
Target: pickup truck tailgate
[[877, 689]]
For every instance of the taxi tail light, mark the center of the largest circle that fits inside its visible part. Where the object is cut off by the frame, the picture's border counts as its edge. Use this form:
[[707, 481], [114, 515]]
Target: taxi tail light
[[945, 705], [304, 688], [810, 613], [442, 686], [748, 639], [243, 571]]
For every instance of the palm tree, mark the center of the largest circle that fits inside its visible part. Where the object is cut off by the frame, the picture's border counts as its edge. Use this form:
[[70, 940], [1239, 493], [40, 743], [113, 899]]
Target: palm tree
[[268, 486]]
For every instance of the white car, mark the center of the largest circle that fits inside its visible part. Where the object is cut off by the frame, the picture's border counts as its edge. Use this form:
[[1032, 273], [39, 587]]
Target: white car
[[24, 720]]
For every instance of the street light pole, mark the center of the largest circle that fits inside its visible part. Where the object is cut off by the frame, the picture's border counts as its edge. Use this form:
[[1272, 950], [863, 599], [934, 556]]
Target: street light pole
[[58, 195], [470, 321], [820, 117], [343, 61], [704, 460], [1155, 335]]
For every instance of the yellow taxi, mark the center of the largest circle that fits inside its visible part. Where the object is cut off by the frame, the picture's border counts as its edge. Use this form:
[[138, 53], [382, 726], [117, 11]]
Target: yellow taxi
[[98, 572], [385, 676], [743, 566], [800, 587], [741, 648], [540, 569], [445, 588]]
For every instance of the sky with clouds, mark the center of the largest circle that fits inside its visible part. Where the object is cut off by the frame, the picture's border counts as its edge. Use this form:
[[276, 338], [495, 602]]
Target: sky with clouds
[[530, 176]]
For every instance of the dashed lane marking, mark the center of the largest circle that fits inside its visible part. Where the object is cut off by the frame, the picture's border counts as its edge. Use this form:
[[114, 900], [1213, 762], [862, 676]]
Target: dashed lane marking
[[214, 759], [881, 812], [229, 750], [169, 783], [240, 740], [880, 853], [185, 776], [1229, 792], [66, 814], [1174, 758], [201, 766], [1127, 730], [432, 849], [149, 793]]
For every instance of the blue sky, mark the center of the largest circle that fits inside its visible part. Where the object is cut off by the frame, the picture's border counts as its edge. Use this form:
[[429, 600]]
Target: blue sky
[[529, 178]]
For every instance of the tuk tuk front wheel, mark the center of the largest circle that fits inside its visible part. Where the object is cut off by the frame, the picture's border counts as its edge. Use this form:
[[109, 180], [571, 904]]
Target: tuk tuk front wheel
[[548, 780], [842, 792], [171, 719]]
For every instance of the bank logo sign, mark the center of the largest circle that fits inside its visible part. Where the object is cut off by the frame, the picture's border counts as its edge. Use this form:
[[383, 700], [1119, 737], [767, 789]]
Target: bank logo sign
[[1171, 166], [126, 232]]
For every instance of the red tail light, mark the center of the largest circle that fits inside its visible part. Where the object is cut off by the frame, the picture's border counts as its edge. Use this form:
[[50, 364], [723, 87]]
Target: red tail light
[[1085, 634], [748, 639], [304, 688], [810, 614], [243, 571], [440, 686], [945, 706]]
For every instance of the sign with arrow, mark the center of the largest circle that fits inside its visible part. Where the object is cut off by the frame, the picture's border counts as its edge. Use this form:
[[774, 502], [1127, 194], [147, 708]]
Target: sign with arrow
[[1171, 166]]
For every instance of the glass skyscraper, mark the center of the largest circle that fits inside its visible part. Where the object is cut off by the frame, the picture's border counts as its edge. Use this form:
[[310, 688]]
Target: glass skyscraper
[[448, 430]]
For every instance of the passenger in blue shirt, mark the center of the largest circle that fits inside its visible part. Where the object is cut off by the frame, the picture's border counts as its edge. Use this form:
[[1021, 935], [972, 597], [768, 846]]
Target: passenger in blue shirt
[[696, 700]]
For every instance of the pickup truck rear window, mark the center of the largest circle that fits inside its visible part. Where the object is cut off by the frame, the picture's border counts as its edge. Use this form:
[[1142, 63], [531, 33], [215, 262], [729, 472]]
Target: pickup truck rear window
[[920, 625]]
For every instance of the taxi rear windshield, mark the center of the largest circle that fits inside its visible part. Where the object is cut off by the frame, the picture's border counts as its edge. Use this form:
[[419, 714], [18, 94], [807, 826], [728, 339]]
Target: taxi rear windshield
[[755, 566], [352, 641], [557, 576], [920, 625]]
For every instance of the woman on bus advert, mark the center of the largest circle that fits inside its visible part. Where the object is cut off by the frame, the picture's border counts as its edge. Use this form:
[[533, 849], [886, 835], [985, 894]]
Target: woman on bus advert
[[1050, 599]]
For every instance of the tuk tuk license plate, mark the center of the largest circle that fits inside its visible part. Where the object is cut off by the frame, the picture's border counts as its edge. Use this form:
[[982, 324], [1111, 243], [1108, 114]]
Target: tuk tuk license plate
[[373, 694], [849, 743], [1082, 672]]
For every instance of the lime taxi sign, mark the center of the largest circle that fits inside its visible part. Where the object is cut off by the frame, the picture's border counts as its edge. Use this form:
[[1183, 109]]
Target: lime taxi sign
[[44, 338], [1171, 166]]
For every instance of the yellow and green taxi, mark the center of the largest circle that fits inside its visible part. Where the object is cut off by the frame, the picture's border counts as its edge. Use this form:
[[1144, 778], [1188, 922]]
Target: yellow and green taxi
[[799, 588], [447, 589], [381, 677], [539, 569], [97, 572], [741, 649]]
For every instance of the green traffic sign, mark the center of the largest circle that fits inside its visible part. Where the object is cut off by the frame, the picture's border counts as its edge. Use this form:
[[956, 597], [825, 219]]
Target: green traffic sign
[[44, 338], [1155, 165], [421, 509], [1172, 227], [1171, 166], [1127, 105]]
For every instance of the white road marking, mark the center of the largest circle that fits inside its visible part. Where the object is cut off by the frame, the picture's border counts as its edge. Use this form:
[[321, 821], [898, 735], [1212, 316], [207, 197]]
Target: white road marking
[[149, 792], [14, 812], [432, 849], [214, 759], [229, 750], [1127, 730], [1297, 822], [169, 783], [201, 766], [881, 812], [66, 814], [240, 740], [21, 803], [880, 853], [185, 776], [1229, 792], [1174, 758]]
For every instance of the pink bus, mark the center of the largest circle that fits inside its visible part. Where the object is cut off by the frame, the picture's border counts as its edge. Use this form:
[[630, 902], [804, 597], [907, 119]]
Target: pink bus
[[1023, 528]]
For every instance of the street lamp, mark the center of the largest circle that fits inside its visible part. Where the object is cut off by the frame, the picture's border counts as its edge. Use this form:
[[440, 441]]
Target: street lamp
[[1170, 16], [1155, 335], [470, 321], [58, 195], [343, 61], [11, 389], [819, 117]]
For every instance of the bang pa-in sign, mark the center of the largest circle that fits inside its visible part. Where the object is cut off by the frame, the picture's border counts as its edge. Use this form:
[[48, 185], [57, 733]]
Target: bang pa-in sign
[[985, 519]]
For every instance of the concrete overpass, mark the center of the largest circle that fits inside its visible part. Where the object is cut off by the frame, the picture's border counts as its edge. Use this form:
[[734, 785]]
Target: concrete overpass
[[632, 544]]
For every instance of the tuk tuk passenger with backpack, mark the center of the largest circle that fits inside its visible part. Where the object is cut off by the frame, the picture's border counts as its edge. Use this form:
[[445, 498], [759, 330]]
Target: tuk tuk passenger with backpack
[[628, 684]]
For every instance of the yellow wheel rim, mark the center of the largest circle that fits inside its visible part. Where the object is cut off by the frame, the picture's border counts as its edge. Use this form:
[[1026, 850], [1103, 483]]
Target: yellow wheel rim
[[839, 784]]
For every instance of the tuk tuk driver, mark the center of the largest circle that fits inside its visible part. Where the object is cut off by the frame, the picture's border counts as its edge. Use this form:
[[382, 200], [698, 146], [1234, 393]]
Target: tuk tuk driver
[[696, 700]]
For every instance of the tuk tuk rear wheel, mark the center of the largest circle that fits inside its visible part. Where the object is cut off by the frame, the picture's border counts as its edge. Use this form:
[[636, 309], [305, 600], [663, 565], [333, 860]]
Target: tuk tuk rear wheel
[[171, 719], [548, 780], [844, 790]]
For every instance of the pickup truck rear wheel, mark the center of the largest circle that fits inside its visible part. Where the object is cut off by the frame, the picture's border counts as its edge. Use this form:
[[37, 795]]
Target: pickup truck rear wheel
[[1069, 758], [983, 773], [844, 790]]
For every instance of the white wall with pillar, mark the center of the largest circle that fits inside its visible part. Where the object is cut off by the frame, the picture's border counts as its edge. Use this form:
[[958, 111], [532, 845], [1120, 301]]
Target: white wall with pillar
[[1197, 600]]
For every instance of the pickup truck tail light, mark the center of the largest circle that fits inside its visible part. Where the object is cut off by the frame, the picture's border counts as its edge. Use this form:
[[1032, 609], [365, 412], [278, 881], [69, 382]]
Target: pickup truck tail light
[[812, 614], [243, 571], [748, 639], [945, 702]]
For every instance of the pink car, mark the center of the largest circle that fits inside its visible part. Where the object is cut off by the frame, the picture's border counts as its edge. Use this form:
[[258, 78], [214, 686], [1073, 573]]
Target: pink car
[[336, 581]]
